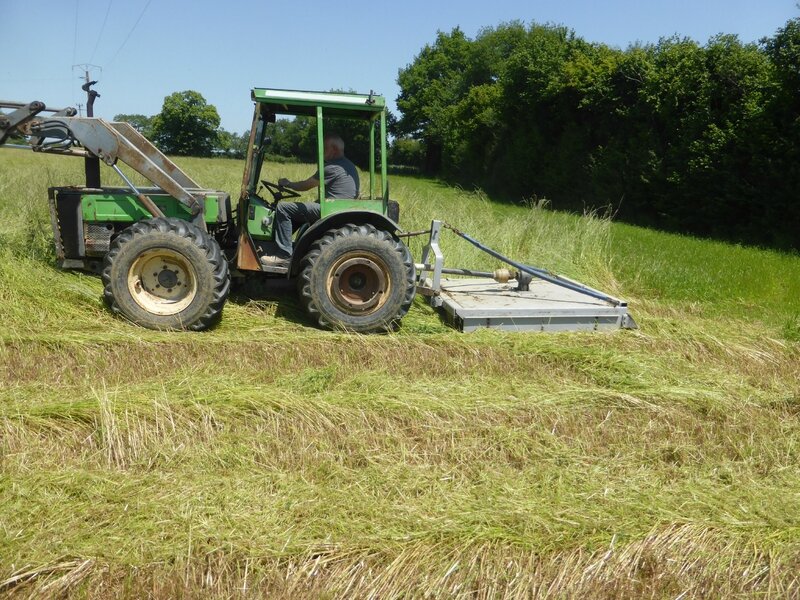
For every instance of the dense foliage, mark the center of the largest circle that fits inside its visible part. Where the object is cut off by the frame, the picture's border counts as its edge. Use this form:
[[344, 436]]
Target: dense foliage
[[676, 135], [141, 123], [297, 138], [187, 125]]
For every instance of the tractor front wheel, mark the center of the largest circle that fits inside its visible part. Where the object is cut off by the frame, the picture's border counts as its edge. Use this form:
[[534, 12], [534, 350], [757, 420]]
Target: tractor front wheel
[[357, 278], [167, 274]]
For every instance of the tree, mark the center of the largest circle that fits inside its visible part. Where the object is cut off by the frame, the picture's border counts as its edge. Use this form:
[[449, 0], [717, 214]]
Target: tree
[[231, 144], [292, 138], [536, 132], [779, 140], [140, 123], [407, 152], [429, 88], [186, 125], [703, 139]]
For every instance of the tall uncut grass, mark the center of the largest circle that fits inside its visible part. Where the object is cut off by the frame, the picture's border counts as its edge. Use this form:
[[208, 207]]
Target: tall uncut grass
[[267, 458]]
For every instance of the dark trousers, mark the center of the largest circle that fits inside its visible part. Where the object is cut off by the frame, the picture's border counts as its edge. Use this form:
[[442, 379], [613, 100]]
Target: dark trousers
[[289, 216]]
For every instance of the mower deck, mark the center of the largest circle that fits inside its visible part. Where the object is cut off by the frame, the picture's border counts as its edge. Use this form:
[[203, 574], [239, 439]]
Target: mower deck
[[469, 304]]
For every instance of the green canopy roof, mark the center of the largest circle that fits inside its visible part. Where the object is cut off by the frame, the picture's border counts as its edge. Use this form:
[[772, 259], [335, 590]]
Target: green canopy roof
[[334, 104]]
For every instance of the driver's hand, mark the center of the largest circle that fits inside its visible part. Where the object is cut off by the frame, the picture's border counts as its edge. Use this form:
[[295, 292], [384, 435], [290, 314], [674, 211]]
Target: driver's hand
[[283, 182]]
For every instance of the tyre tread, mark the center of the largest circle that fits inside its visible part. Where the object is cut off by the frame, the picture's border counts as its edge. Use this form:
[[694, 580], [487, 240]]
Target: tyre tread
[[200, 239], [318, 248]]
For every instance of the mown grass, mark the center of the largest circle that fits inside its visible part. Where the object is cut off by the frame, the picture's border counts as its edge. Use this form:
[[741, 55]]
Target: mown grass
[[267, 457]]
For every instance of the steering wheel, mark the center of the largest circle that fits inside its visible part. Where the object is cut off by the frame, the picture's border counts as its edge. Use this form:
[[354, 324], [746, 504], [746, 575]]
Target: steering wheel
[[278, 191]]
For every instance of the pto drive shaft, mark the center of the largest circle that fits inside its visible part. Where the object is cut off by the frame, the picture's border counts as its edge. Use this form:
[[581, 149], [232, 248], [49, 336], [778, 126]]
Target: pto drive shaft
[[499, 275]]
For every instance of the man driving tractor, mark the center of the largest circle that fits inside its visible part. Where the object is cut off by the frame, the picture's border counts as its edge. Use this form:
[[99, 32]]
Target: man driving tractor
[[341, 181]]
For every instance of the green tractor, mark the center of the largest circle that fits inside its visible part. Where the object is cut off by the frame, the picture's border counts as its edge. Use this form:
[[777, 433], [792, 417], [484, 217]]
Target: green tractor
[[167, 253]]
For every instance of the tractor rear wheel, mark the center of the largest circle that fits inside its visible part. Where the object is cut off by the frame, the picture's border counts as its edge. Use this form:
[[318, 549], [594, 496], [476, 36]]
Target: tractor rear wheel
[[357, 278], [165, 273]]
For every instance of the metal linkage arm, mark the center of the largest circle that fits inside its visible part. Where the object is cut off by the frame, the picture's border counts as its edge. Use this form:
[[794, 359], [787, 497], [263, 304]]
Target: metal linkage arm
[[16, 121], [64, 133], [433, 285], [119, 141]]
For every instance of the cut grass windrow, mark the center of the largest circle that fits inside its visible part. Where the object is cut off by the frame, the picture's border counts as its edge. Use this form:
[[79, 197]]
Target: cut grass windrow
[[267, 458]]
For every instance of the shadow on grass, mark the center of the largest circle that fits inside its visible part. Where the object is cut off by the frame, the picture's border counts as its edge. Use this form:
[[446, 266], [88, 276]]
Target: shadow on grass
[[282, 294], [277, 290]]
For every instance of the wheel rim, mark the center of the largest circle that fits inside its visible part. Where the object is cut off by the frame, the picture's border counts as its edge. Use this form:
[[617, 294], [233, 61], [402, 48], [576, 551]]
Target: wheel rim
[[359, 283], [162, 281]]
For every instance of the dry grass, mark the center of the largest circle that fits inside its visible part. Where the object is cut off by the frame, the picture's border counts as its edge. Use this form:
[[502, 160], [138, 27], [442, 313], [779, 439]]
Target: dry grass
[[267, 458], [690, 561]]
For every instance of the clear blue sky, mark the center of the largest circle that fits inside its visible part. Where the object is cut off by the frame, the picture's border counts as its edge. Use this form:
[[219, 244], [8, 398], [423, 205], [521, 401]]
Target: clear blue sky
[[150, 48]]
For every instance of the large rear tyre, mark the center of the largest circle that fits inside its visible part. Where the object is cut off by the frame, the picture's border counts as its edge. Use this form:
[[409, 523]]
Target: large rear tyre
[[167, 274], [357, 278]]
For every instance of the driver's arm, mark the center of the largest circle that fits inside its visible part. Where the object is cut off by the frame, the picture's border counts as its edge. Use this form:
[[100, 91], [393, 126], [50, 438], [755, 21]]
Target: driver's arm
[[299, 186]]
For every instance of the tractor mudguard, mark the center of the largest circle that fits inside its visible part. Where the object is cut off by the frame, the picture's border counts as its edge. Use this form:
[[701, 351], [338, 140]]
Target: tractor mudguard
[[334, 221]]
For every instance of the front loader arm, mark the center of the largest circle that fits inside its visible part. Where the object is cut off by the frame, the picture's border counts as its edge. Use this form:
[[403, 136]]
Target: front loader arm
[[17, 121], [119, 141], [63, 133]]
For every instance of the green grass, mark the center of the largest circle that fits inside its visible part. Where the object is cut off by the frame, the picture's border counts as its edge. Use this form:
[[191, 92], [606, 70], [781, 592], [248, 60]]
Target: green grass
[[269, 458]]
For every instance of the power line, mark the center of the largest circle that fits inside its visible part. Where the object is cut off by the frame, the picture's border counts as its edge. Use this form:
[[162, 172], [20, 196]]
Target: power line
[[102, 29], [129, 33]]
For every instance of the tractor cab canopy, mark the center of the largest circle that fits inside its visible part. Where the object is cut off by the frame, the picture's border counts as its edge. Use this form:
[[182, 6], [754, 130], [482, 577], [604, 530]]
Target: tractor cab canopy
[[269, 103], [340, 105]]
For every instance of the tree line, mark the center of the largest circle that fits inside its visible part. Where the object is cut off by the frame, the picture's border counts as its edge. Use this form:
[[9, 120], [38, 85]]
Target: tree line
[[676, 135], [702, 139]]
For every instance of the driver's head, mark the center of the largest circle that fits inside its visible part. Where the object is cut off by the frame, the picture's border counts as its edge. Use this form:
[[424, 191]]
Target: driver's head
[[333, 146]]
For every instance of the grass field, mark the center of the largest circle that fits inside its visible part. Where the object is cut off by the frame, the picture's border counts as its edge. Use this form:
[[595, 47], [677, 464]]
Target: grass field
[[267, 458]]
